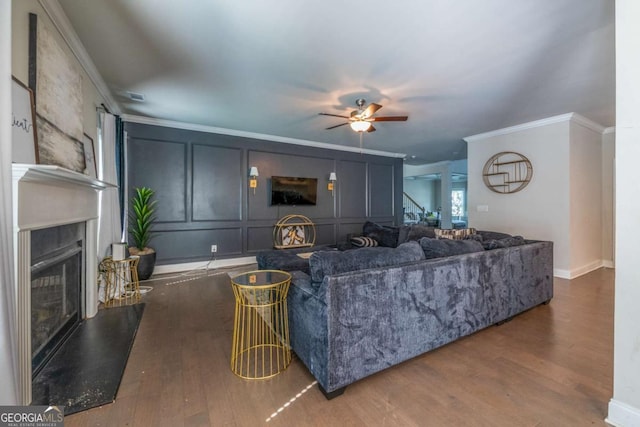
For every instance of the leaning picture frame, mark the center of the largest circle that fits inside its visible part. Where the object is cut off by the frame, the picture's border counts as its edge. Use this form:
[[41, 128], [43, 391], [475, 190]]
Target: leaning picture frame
[[24, 136], [56, 82], [89, 156]]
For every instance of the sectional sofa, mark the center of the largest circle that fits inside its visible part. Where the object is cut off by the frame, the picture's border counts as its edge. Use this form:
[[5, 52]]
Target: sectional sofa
[[360, 311]]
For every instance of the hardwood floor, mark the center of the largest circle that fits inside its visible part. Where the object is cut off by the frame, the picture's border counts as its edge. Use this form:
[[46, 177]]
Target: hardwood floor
[[550, 366]]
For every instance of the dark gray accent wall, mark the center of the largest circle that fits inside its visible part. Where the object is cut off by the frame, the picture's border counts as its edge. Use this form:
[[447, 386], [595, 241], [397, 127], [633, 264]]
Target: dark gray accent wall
[[221, 167], [163, 166], [202, 188]]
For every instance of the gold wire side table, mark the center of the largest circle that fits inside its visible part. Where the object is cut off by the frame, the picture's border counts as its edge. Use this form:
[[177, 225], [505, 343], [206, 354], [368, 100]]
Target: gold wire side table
[[260, 346], [122, 286]]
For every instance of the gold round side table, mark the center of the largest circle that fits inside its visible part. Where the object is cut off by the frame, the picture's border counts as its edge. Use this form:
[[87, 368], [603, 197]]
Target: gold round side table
[[121, 281], [260, 346]]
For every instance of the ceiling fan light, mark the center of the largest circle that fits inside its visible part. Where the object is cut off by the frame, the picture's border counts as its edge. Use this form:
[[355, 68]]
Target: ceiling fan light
[[360, 125]]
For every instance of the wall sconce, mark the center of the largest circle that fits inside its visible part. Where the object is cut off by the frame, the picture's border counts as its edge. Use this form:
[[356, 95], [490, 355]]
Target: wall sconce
[[332, 181], [253, 178]]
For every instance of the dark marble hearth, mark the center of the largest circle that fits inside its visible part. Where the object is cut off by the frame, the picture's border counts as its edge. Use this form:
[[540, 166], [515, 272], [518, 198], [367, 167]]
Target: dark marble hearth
[[87, 369]]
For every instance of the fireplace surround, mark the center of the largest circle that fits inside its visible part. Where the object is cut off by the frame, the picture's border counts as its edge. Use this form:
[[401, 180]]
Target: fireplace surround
[[46, 197]]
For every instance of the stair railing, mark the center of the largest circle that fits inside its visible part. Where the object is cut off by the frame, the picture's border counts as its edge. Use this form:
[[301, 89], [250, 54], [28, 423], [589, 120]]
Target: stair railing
[[412, 210]]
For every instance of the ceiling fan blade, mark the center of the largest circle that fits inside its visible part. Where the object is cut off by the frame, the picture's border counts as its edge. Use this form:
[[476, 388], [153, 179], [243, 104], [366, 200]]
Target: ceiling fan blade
[[390, 119], [333, 115], [337, 126], [370, 110], [371, 129]]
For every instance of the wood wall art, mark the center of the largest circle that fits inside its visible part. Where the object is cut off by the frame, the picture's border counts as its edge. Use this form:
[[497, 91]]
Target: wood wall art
[[23, 130], [507, 172], [57, 86]]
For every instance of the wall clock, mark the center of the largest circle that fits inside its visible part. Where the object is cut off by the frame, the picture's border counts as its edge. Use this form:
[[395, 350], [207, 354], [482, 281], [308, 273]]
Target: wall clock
[[507, 172]]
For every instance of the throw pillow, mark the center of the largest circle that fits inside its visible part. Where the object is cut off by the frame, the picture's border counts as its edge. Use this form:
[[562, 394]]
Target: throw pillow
[[492, 235], [454, 234], [403, 233], [363, 242], [334, 262], [416, 232], [384, 235], [507, 242], [438, 248]]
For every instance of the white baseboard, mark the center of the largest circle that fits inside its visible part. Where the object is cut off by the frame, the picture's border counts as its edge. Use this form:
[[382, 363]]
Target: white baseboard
[[622, 415], [580, 271], [189, 266], [587, 268], [608, 263], [561, 274]]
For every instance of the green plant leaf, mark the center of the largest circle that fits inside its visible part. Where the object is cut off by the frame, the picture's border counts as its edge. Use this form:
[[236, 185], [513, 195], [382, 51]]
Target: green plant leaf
[[141, 218]]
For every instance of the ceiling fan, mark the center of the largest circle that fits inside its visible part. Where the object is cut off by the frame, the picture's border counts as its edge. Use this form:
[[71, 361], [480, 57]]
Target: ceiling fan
[[361, 119]]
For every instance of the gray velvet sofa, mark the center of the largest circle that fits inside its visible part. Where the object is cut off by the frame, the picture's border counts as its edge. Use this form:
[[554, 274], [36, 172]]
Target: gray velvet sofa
[[361, 311]]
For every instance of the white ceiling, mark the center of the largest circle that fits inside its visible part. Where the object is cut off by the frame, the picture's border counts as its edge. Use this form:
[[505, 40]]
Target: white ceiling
[[270, 66]]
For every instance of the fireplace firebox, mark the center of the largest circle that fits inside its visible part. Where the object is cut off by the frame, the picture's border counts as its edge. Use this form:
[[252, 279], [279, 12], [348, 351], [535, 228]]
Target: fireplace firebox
[[57, 263]]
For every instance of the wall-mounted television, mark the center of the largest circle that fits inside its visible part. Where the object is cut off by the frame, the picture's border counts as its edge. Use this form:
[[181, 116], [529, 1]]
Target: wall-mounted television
[[287, 190]]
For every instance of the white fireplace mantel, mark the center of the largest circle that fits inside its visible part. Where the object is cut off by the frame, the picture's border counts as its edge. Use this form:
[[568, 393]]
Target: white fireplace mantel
[[52, 173], [48, 196]]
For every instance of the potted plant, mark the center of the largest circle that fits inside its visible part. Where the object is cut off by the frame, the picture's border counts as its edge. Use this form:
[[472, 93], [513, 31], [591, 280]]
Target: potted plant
[[141, 219], [431, 219]]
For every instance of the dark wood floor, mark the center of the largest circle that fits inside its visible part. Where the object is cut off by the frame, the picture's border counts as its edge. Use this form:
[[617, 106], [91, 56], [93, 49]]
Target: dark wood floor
[[551, 366]]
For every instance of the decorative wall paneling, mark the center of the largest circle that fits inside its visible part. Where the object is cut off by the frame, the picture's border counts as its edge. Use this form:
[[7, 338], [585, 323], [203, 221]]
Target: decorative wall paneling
[[201, 183]]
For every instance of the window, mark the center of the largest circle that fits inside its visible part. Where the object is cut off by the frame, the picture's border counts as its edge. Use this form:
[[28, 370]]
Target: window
[[457, 203]]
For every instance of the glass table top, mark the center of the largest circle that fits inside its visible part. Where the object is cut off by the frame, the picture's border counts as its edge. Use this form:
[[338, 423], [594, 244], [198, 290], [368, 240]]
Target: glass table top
[[261, 278]]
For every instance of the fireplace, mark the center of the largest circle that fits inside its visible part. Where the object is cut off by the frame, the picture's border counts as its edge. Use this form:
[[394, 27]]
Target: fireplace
[[55, 215], [57, 272]]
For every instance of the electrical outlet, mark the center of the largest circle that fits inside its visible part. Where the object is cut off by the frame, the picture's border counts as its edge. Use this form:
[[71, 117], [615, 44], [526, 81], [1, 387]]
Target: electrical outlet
[[214, 249]]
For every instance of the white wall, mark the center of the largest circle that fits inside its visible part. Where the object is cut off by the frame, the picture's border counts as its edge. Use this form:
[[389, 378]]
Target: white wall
[[540, 210], [624, 407], [585, 207], [608, 196], [459, 166], [563, 201], [8, 391]]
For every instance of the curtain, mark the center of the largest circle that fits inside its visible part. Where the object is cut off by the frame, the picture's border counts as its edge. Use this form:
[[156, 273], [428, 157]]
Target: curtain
[[8, 359], [120, 171], [109, 225]]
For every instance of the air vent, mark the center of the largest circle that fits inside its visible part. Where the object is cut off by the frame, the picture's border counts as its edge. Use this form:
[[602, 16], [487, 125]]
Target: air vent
[[136, 96]]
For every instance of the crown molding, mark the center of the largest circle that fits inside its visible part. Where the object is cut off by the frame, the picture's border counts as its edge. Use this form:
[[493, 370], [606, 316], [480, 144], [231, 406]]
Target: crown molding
[[63, 25], [589, 124], [575, 117], [232, 132], [518, 128]]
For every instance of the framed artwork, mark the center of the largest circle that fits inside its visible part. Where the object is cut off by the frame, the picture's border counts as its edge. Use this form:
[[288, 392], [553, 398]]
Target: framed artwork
[[23, 130], [292, 235], [89, 157], [56, 82]]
